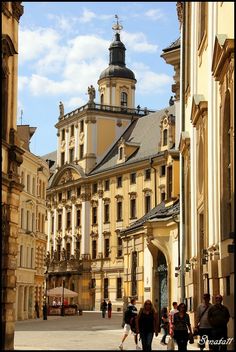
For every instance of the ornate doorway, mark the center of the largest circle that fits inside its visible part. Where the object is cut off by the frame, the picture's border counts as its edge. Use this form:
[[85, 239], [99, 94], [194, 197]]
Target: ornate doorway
[[162, 286]]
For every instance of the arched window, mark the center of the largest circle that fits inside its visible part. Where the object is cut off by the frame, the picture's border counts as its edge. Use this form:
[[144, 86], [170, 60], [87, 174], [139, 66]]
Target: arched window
[[121, 153], [123, 99], [165, 137]]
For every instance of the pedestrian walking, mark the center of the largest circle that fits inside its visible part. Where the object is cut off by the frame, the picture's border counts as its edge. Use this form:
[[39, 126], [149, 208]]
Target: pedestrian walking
[[164, 325], [202, 325], [36, 307], [130, 317], [45, 311], [147, 324], [218, 317], [181, 327], [171, 317], [109, 309], [104, 308]]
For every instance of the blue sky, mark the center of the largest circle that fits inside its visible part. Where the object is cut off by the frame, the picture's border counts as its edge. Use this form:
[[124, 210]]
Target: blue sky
[[63, 48]]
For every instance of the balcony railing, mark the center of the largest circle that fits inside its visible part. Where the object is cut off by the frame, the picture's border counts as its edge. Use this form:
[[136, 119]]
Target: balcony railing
[[109, 108]]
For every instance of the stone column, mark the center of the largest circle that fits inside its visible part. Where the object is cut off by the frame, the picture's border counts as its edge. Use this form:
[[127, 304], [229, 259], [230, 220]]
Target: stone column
[[148, 275], [63, 226], [85, 225], [55, 229], [73, 229], [76, 142], [58, 149], [49, 216], [100, 223], [67, 146]]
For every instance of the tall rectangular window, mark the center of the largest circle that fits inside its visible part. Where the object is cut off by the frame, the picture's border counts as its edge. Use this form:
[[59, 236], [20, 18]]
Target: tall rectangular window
[[106, 247], [59, 221], [62, 158], [52, 225], [68, 220], [72, 153], [22, 218], [119, 247], [33, 220], [78, 217], [107, 185], [147, 174], [119, 211], [94, 215], [106, 212], [28, 183], [72, 130], [119, 181], [63, 134], [59, 252], [106, 288], [133, 178], [95, 188], [169, 182], [81, 151], [132, 208], [163, 170], [119, 287], [94, 249], [81, 124], [68, 251], [21, 255], [27, 220], [33, 186], [147, 204], [78, 191], [32, 258]]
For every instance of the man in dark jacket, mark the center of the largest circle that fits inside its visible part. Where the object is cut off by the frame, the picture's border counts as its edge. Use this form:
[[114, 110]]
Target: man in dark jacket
[[218, 317], [130, 323]]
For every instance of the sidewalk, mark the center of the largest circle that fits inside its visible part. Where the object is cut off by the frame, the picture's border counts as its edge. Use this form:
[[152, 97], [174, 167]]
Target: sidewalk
[[87, 332]]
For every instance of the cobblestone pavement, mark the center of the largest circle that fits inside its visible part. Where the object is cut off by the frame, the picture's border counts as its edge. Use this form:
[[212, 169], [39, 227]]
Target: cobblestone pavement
[[87, 332]]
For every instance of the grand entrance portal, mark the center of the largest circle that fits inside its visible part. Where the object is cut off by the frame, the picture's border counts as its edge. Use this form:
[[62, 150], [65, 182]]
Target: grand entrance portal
[[161, 281]]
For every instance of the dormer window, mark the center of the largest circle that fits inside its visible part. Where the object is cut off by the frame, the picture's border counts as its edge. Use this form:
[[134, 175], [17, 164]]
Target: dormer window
[[123, 99], [165, 137]]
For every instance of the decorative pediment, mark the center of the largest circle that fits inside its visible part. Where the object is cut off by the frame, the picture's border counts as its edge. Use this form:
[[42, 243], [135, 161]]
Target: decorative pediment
[[199, 108], [66, 174], [223, 48]]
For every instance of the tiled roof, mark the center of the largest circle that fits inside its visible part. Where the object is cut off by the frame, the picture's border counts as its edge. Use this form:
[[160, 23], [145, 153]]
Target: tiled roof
[[159, 212], [144, 132]]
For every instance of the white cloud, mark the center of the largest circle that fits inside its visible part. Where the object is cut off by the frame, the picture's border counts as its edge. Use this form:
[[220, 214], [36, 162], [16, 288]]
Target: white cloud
[[40, 85], [138, 42], [154, 14], [34, 43], [87, 16], [87, 47], [75, 102], [62, 22], [150, 82], [22, 82]]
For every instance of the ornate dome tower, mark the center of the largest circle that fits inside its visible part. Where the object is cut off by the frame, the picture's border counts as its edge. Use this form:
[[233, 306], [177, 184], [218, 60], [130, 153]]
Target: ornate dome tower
[[117, 82]]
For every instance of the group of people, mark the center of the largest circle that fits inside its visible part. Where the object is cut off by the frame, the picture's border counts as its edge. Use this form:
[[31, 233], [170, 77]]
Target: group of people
[[210, 324], [106, 307]]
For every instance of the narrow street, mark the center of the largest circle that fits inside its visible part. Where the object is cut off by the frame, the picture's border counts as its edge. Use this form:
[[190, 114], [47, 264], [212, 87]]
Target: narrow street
[[87, 332]]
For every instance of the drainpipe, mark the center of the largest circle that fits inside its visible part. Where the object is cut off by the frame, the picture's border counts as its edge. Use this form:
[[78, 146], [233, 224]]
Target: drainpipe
[[155, 188], [182, 267]]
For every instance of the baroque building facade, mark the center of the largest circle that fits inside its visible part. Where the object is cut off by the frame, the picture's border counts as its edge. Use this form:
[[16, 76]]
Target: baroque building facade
[[12, 157], [30, 284], [114, 165], [207, 152]]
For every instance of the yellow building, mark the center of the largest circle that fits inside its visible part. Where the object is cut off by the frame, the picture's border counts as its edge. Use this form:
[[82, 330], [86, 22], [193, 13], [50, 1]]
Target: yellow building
[[207, 151], [11, 160], [32, 237], [114, 163]]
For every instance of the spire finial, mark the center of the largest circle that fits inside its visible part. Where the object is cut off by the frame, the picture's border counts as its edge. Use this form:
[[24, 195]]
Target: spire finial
[[117, 27]]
